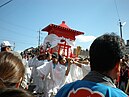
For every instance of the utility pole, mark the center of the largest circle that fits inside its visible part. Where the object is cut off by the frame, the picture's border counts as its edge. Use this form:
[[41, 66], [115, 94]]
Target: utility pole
[[121, 25], [120, 29], [39, 38], [13, 46]]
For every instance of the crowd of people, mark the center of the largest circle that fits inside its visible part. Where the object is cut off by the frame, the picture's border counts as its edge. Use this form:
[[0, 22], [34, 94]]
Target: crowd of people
[[104, 74], [49, 72]]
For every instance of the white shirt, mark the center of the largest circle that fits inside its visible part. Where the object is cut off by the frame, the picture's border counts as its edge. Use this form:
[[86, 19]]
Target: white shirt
[[57, 75], [37, 80]]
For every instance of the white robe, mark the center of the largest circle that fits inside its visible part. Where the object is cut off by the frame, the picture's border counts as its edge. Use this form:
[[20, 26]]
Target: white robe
[[77, 73], [37, 80], [57, 77]]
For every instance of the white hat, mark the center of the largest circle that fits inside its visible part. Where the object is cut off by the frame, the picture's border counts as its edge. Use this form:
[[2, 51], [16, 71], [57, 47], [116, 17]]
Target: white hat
[[5, 44]]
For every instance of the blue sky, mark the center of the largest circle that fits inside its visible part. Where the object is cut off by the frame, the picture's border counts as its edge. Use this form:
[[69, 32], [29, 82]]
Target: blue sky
[[20, 20]]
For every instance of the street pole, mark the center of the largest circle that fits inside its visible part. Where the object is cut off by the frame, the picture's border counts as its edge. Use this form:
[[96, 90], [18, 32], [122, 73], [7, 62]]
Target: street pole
[[120, 29], [13, 46], [39, 39]]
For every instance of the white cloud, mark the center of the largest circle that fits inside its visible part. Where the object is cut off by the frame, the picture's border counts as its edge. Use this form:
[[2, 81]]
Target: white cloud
[[82, 38]]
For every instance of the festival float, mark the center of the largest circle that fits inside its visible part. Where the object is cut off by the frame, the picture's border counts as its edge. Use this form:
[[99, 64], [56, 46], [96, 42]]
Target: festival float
[[60, 38]]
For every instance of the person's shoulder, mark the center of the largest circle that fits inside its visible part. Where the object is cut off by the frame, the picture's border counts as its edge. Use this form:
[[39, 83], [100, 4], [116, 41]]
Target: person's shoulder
[[108, 91], [117, 92]]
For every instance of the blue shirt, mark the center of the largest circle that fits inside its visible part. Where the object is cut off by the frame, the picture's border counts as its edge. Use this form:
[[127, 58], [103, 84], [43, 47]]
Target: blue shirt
[[83, 88]]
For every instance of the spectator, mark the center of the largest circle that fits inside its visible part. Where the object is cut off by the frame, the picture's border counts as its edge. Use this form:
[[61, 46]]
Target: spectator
[[105, 55], [126, 59], [14, 92], [5, 46], [11, 70], [123, 79]]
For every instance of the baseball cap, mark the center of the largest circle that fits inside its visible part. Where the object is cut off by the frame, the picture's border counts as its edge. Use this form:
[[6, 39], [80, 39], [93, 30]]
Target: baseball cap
[[5, 44]]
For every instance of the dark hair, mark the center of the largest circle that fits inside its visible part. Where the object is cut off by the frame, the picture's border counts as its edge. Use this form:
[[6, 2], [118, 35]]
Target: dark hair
[[60, 58], [48, 54], [55, 55], [3, 49], [126, 56], [11, 69], [14, 92], [105, 52]]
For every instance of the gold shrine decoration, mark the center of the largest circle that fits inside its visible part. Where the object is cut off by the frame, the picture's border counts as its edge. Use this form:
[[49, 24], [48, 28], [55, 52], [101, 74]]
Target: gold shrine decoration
[[78, 50]]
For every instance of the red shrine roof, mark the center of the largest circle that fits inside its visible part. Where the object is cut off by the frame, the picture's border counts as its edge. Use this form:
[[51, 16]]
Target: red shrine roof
[[62, 30]]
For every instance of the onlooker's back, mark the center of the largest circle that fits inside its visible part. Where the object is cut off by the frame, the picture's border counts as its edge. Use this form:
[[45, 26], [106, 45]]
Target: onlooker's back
[[11, 70], [105, 56], [14, 92]]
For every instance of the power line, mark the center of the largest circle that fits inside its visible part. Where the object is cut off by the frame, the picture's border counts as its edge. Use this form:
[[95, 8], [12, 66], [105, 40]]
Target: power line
[[5, 3], [20, 42], [16, 25], [117, 9], [19, 34], [15, 32]]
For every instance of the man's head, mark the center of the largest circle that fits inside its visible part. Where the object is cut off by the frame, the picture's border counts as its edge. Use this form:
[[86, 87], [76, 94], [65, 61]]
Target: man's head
[[105, 52], [5, 46], [62, 60]]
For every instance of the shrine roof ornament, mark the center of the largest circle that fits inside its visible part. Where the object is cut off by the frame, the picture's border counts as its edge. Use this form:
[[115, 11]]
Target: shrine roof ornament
[[62, 30], [64, 25]]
